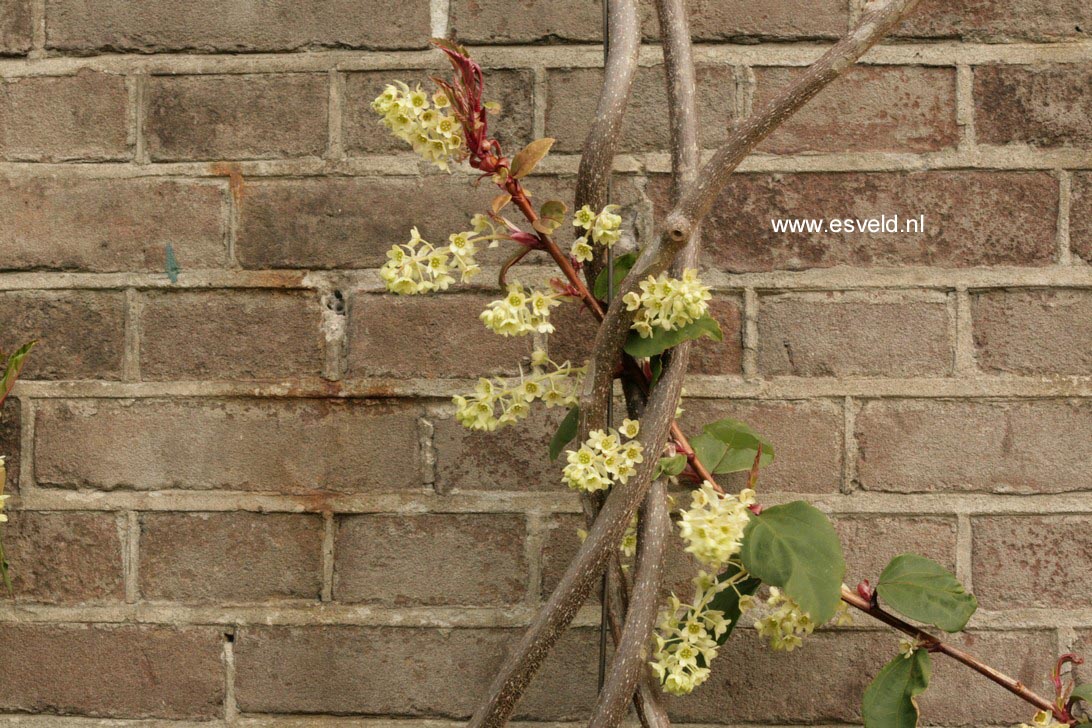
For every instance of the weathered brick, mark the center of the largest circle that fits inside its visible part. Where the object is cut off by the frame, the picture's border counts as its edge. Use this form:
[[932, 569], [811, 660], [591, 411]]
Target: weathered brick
[[840, 334], [245, 116], [236, 25], [1080, 216], [230, 557], [823, 681], [493, 21], [10, 441], [1032, 561], [999, 20], [81, 334], [64, 557], [230, 335], [1033, 332], [971, 218], [53, 119], [871, 108], [110, 224], [870, 541], [806, 435], [572, 93], [435, 559], [15, 31], [295, 446], [1044, 106], [348, 223], [438, 336], [112, 671], [364, 134], [338, 669], [512, 458], [914, 446]]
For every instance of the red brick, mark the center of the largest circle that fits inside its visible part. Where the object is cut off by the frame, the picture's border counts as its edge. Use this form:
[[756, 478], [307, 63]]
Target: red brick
[[245, 116], [514, 458], [1032, 561], [1044, 106], [111, 224], [1080, 216], [230, 557], [1033, 332], [288, 446], [65, 557], [333, 223], [915, 446], [10, 440], [999, 20], [971, 218], [806, 435], [230, 335], [840, 334], [870, 541], [363, 670], [436, 559], [872, 108], [572, 94], [363, 133], [15, 31], [438, 336], [81, 334], [52, 119], [112, 671], [236, 25]]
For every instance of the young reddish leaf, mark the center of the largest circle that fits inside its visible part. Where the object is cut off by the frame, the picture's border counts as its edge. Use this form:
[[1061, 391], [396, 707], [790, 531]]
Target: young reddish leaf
[[500, 201], [528, 158]]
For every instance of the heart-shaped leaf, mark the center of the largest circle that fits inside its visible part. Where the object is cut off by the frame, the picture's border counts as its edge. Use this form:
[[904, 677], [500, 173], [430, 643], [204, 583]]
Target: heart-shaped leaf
[[528, 158], [662, 340], [891, 700], [566, 431], [794, 546], [670, 467], [922, 589], [742, 445]]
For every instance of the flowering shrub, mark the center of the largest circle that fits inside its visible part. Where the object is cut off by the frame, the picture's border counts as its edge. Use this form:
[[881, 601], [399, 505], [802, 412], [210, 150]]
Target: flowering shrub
[[791, 549]]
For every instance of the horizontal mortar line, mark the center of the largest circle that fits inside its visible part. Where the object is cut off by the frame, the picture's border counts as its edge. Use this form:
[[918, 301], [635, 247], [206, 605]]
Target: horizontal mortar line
[[540, 270], [277, 720], [461, 617], [697, 386], [945, 53], [559, 501]]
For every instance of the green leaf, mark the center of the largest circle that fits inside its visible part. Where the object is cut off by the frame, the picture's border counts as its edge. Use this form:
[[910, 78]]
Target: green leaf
[[1082, 692], [794, 546], [671, 466], [12, 368], [742, 445], [662, 340], [708, 449], [552, 214], [891, 700], [173, 269], [566, 431], [656, 367], [622, 266], [728, 600], [922, 589], [528, 158]]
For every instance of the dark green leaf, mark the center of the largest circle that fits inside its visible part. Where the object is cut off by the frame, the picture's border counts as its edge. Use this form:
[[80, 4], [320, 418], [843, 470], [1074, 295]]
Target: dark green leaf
[[173, 269], [891, 700], [1082, 692], [708, 449], [922, 589], [741, 447], [728, 600], [656, 366], [794, 546], [671, 466], [662, 340], [622, 264], [566, 431]]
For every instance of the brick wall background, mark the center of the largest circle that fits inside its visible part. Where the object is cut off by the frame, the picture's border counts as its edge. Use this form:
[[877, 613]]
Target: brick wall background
[[242, 498]]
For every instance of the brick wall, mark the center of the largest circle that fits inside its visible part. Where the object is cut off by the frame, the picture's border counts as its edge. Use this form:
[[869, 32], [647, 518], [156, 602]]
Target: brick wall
[[243, 497]]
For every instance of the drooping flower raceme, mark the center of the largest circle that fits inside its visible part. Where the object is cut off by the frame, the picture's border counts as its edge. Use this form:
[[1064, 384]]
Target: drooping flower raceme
[[668, 303], [713, 525], [413, 117], [495, 404], [521, 311], [786, 625], [604, 228], [604, 459], [418, 266]]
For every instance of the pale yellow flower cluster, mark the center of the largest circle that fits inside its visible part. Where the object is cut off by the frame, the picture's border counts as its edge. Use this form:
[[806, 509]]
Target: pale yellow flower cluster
[[786, 625], [494, 404], [668, 303], [418, 266], [713, 526], [686, 636], [521, 311], [1043, 719], [411, 116], [604, 228], [604, 458]]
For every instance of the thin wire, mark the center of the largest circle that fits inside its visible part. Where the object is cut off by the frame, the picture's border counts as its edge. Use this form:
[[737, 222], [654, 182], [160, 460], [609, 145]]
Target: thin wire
[[610, 405]]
